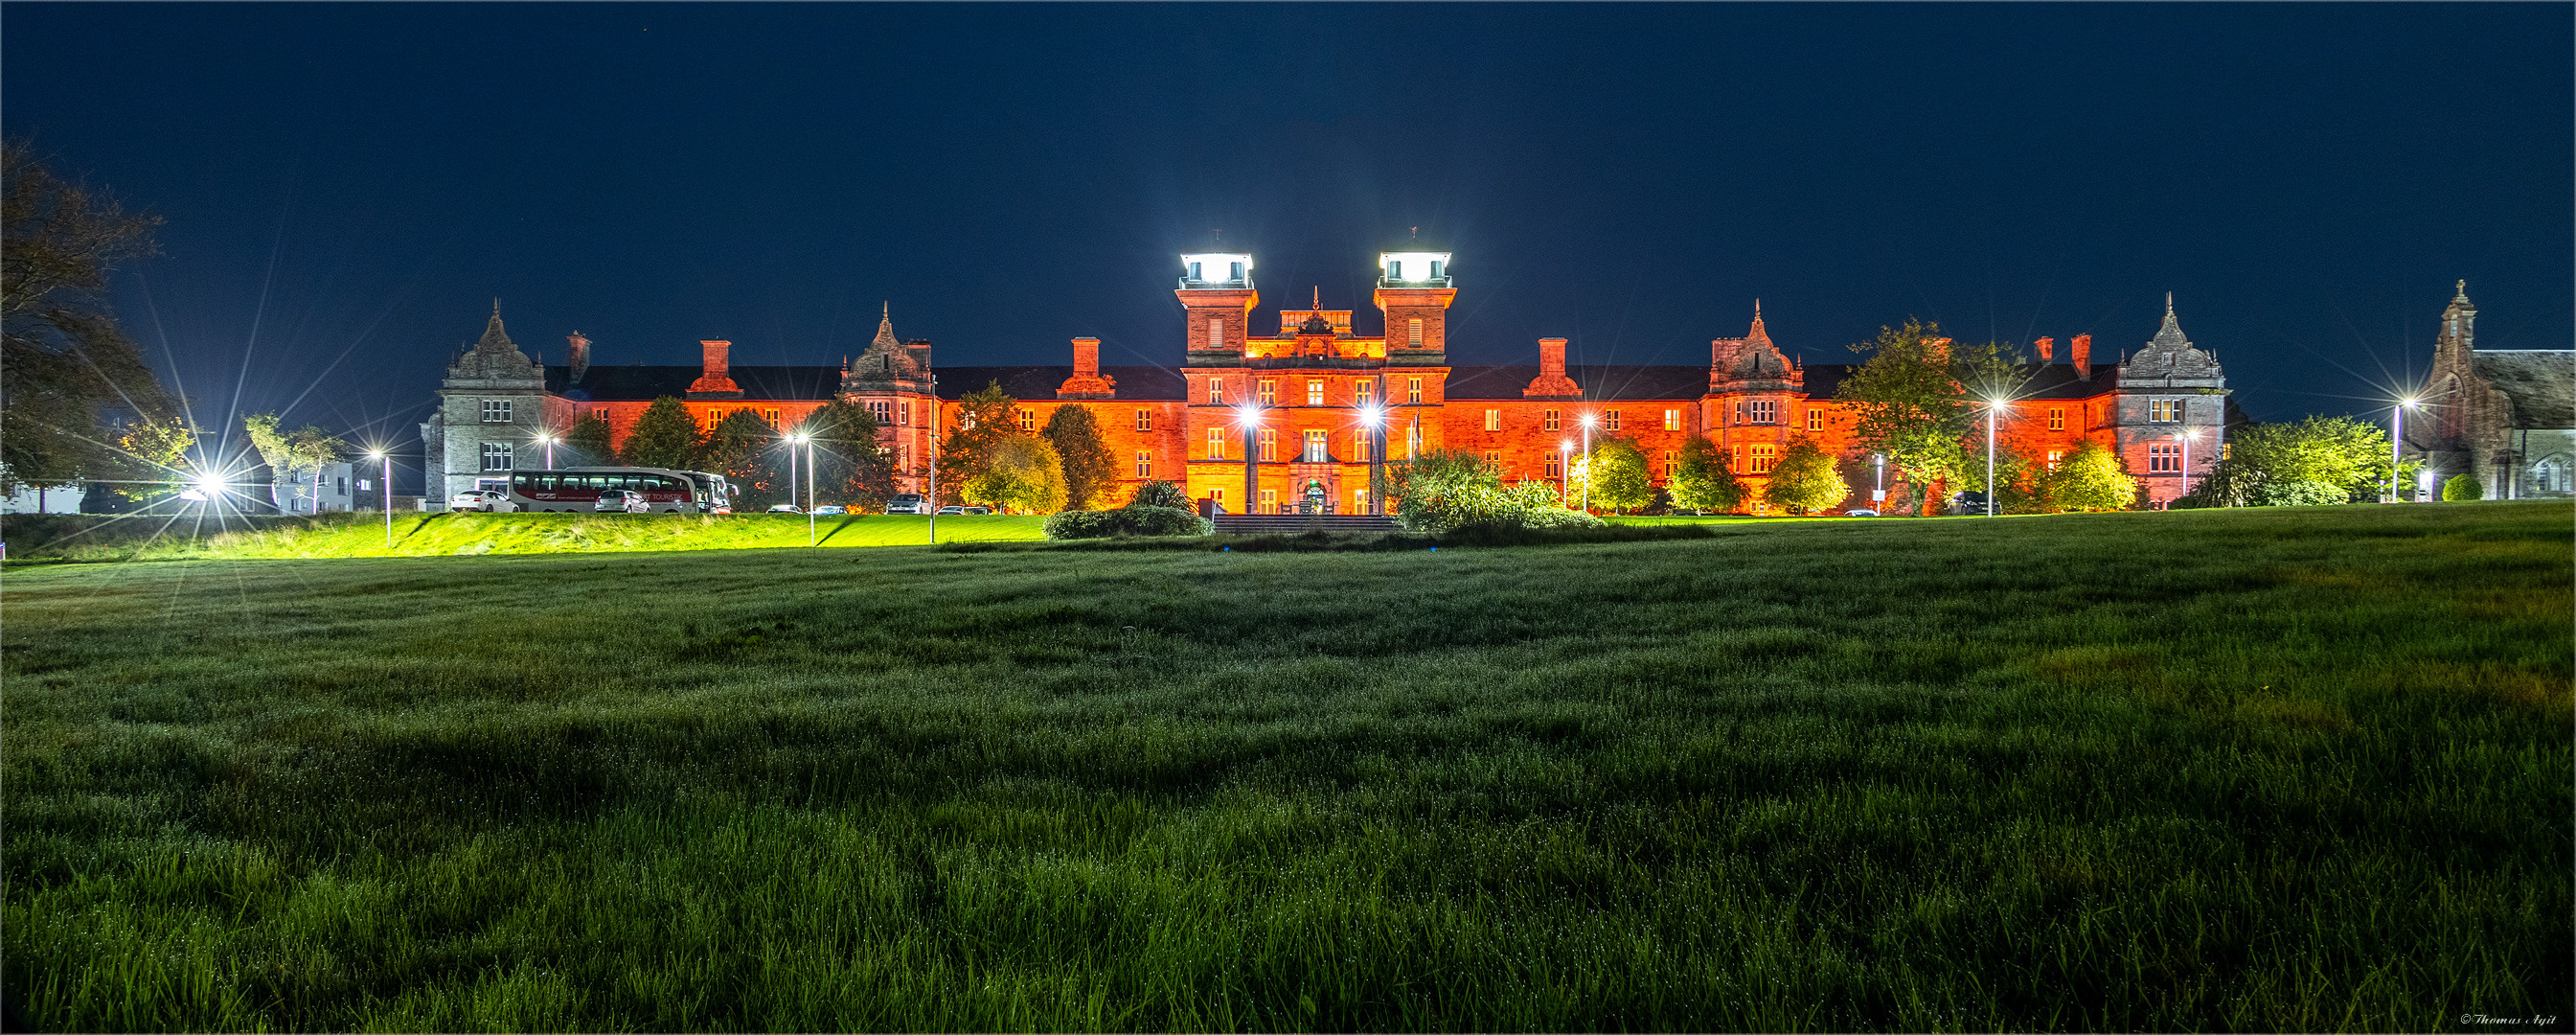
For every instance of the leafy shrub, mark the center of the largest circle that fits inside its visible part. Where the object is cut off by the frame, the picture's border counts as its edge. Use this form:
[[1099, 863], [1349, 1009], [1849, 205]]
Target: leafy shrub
[[2463, 487], [1131, 519], [2302, 492], [1446, 490]]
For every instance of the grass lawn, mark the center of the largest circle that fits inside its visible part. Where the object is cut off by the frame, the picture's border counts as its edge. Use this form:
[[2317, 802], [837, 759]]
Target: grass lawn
[[2304, 769], [442, 534]]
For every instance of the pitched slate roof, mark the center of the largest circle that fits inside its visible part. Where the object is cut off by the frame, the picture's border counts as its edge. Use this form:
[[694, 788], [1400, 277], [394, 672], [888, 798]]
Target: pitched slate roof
[[643, 383], [1038, 384], [2541, 383], [1599, 382]]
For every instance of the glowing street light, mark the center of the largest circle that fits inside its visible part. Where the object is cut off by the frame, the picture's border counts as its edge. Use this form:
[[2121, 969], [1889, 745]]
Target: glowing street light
[[1249, 415], [1992, 405], [2396, 441], [2186, 435], [806, 440], [388, 460], [1375, 419], [1587, 463], [548, 440]]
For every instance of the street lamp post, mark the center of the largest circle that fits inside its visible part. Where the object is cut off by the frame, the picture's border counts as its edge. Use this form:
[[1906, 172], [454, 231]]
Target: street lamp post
[[794, 440], [388, 459], [1375, 418], [1250, 415], [2396, 441], [1878, 491], [1565, 474], [547, 439], [1991, 406], [1587, 463], [930, 492]]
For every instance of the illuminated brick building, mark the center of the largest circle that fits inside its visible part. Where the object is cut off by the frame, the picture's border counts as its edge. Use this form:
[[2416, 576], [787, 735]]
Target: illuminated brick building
[[1280, 417]]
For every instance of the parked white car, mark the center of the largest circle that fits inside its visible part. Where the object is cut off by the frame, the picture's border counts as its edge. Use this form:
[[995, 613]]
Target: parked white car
[[484, 500]]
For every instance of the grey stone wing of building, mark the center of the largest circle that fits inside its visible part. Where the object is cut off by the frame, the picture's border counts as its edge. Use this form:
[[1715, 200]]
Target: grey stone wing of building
[[2541, 385]]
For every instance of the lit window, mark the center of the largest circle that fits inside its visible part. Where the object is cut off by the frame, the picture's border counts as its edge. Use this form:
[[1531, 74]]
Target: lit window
[[1269, 392], [1413, 389], [880, 409], [496, 456], [2164, 411], [1144, 420], [1547, 420], [1815, 418], [1413, 333], [1028, 419], [1269, 501], [496, 411], [1360, 446], [2054, 456], [1216, 496], [1763, 455], [1611, 420], [600, 412], [1269, 445], [1494, 460], [1365, 391], [1216, 391], [771, 416], [1555, 466], [1359, 501], [1216, 332], [1493, 420], [2057, 418], [1317, 449], [1314, 393], [1144, 465], [1672, 420], [2164, 458], [1763, 411], [1216, 444]]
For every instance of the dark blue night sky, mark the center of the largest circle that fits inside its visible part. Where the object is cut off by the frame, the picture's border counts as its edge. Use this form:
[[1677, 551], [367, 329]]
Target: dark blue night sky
[[346, 187]]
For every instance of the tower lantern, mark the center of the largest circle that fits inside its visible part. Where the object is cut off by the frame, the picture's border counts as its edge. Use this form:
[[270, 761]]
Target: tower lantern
[[1216, 289], [1413, 290]]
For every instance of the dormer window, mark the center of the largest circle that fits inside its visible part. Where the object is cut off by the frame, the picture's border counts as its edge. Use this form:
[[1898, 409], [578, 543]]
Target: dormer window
[[1234, 271], [1395, 269], [1435, 268], [1194, 272]]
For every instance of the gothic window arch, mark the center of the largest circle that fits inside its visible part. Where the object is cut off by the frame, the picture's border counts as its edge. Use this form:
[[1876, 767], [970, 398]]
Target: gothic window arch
[[2552, 473]]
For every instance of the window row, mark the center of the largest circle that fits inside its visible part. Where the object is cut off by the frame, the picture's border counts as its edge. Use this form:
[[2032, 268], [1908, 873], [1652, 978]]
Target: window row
[[1318, 391], [1314, 446]]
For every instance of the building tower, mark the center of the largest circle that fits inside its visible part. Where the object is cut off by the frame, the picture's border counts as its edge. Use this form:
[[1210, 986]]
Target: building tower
[[1414, 292], [490, 407], [2170, 402], [1216, 290]]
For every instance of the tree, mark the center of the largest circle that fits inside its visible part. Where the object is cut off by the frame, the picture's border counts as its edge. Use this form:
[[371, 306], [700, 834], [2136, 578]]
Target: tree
[[1616, 472], [68, 375], [664, 435], [1702, 480], [291, 457], [2317, 460], [144, 464], [984, 419], [1919, 397], [590, 443], [741, 447], [1090, 470], [851, 464], [1806, 479], [2017, 476], [1160, 493], [2090, 478], [2462, 487], [1022, 472]]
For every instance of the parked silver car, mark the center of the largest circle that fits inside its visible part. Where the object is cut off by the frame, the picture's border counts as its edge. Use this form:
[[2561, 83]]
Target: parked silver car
[[627, 501], [484, 500]]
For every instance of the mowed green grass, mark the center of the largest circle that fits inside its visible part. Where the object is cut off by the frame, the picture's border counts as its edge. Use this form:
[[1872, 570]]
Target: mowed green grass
[[445, 534], [2298, 769]]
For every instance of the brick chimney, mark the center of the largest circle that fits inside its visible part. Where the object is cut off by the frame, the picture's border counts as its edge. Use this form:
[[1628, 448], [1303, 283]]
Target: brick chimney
[[2080, 352], [1551, 381], [2047, 348], [1087, 381], [713, 381], [580, 357]]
